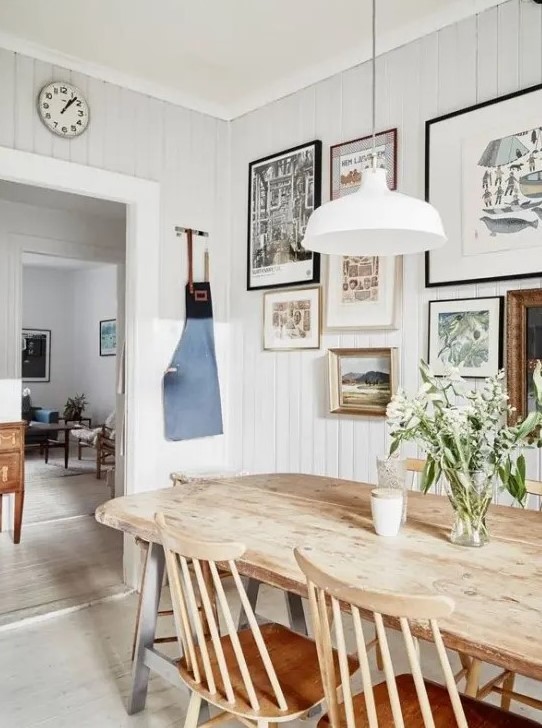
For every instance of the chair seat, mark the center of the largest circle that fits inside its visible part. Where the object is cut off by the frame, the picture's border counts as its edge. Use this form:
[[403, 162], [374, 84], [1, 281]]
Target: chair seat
[[478, 714], [295, 660]]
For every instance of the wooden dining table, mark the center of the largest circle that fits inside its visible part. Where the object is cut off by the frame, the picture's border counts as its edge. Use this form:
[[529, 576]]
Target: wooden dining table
[[497, 589]]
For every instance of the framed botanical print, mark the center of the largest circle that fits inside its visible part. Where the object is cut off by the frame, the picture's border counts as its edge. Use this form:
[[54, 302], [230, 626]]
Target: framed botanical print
[[36, 355], [484, 175], [283, 191], [523, 348], [361, 381], [349, 159], [466, 333], [291, 319], [108, 337], [362, 292]]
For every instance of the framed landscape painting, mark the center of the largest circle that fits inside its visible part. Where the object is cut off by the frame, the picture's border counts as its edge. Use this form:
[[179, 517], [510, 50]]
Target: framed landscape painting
[[361, 381], [466, 333], [283, 191], [36, 355], [484, 176], [362, 292], [291, 319]]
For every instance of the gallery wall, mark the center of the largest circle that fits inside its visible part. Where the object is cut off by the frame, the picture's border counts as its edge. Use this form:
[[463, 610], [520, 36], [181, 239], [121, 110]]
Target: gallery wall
[[281, 406]]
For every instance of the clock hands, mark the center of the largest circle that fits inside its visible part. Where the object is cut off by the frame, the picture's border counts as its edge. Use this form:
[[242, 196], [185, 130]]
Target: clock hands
[[68, 104]]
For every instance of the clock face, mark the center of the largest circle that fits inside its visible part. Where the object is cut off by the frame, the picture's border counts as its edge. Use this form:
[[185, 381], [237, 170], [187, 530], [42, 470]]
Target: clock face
[[63, 109]]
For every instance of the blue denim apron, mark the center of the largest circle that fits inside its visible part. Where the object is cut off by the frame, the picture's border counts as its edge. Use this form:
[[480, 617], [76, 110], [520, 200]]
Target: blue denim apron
[[191, 390]]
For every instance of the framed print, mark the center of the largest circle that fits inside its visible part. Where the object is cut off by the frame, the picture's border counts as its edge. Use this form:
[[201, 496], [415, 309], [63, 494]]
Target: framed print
[[362, 292], [283, 191], [361, 381], [466, 333], [523, 348], [108, 337], [36, 355], [349, 159], [291, 319], [484, 176]]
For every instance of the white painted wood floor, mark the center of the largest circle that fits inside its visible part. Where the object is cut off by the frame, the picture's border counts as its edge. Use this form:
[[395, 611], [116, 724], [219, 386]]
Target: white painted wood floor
[[74, 670]]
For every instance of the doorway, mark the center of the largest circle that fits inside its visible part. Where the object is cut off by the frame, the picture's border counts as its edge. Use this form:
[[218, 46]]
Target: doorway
[[142, 421]]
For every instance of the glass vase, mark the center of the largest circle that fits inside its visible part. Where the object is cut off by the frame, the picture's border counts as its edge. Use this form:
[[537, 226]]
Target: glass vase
[[470, 495]]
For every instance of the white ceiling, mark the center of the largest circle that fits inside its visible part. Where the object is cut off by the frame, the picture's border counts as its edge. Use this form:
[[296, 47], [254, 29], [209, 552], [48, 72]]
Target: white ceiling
[[38, 260], [223, 57], [43, 197]]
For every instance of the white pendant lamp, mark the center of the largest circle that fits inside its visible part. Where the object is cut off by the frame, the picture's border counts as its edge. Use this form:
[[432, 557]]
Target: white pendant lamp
[[374, 220]]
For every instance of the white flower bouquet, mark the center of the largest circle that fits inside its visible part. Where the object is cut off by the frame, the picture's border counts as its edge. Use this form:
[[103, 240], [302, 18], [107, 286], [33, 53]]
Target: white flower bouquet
[[467, 439]]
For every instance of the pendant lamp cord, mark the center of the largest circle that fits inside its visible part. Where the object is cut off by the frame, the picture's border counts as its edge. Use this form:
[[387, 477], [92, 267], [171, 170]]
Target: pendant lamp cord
[[374, 84]]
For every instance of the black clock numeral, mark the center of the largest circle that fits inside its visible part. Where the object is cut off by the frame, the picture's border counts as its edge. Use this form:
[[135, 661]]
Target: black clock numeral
[[45, 105], [55, 89], [47, 115], [73, 127], [78, 103], [79, 123], [49, 95], [64, 129], [80, 113], [63, 90], [55, 123]]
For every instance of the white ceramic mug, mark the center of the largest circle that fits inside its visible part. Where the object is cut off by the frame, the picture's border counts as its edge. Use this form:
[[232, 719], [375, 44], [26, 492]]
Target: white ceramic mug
[[387, 510]]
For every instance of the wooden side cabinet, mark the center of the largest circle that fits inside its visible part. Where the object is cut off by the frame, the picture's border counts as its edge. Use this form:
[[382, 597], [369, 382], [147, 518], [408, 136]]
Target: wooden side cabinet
[[12, 470]]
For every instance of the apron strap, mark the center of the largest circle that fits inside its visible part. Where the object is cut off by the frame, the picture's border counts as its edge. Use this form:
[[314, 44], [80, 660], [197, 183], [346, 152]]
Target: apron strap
[[190, 271]]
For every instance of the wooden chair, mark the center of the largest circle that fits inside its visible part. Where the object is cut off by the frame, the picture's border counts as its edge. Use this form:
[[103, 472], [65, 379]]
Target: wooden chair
[[503, 683], [405, 700], [262, 674], [105, 449]]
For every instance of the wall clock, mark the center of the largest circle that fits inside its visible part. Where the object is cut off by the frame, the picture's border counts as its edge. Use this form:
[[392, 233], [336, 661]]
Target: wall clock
[[63, 109]]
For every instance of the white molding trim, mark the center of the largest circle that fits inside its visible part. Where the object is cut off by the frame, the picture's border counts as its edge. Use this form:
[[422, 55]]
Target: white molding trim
[[455, 11], [144, 428]]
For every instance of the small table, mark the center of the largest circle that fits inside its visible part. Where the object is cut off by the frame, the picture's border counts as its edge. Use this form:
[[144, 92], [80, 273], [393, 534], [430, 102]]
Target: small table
[[88, 420], [48, 429]]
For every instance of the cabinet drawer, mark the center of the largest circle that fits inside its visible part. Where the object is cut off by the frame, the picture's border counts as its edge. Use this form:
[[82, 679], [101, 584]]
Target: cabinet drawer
[[10, 472], [10, 438]]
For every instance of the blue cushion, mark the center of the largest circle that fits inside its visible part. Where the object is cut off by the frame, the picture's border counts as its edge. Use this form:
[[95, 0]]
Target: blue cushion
[[50, 417]]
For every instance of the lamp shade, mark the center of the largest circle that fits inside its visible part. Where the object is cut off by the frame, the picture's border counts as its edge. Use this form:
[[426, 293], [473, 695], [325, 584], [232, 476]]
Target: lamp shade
[[374, 221]]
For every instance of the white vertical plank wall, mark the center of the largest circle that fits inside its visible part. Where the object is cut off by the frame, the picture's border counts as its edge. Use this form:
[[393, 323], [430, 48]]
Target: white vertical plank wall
[[281, 418], [187, 152]]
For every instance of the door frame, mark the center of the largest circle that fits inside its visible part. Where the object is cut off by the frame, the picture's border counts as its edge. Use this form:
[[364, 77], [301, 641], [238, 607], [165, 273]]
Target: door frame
[[143, 421]]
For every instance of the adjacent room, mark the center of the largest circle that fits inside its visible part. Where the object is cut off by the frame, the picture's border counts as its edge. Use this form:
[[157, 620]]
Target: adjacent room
[[271, 364]]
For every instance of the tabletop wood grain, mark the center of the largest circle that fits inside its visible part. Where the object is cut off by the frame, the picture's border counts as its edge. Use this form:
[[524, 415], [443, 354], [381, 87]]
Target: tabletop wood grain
[[497, 589]]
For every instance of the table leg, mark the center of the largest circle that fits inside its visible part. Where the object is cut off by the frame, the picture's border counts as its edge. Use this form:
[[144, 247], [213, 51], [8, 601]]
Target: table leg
[[146, 627], [296, 614], [66, 447], [18, 520], [252, 587]]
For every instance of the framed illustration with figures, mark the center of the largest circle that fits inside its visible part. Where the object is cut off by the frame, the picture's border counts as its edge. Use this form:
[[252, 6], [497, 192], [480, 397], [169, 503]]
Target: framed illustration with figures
[[349, 159], [523, 348], [361, 381], [291, 319], [283, 191], [484, 176], [36, 355], [108, 337], [466, 333]]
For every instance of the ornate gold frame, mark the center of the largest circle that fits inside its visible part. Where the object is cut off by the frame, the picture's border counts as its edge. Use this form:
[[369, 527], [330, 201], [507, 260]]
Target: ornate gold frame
[[517, 303], [334, 356]]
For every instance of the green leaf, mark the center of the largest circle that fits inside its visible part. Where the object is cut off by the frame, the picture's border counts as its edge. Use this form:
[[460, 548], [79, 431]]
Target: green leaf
[[394, 445], [520, 465], [428, 475]]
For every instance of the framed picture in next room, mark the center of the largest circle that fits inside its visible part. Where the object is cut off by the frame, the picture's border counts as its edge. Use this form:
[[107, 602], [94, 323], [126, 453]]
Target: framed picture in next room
[[36, 355], [108, 337], [283, 191], [361, 381], [291, 319], [484, 176], [466, 333]]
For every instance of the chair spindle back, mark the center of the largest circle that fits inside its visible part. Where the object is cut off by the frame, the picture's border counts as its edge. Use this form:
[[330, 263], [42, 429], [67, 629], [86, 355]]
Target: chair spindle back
[[324, 588], [199, 605]]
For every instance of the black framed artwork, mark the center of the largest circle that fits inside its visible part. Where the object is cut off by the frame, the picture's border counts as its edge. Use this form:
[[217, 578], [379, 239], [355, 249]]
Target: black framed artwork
[[484, 176], [108, 337], [283, 191], [36, 355], [467, 334]]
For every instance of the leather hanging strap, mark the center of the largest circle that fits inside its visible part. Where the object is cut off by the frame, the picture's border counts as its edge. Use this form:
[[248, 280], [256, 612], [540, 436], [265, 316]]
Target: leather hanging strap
[[190, 257]]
